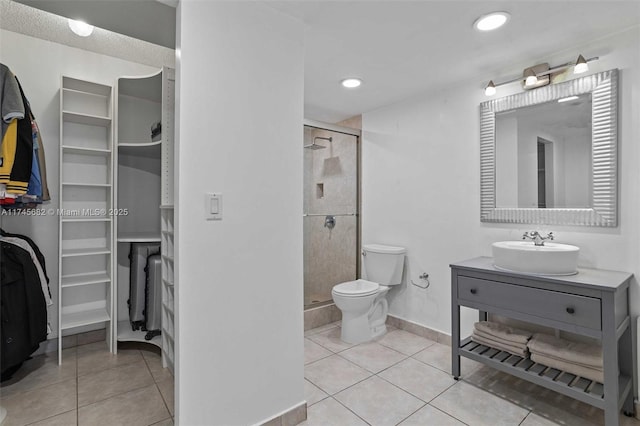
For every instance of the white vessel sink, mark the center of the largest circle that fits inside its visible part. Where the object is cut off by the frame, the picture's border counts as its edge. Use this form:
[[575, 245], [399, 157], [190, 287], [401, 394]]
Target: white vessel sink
[[525, 256]]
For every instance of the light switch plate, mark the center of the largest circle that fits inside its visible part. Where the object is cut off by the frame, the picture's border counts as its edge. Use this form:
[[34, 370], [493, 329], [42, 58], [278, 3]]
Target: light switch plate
[[213, 206]]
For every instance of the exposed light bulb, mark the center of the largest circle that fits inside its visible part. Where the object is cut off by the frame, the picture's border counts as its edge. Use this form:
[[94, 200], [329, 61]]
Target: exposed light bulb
[[581, 65], [351, 83], [80, 28], [490, 90]]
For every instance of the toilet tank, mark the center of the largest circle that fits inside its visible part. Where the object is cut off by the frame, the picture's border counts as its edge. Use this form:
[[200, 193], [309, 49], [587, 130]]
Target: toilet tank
[[383, 264]]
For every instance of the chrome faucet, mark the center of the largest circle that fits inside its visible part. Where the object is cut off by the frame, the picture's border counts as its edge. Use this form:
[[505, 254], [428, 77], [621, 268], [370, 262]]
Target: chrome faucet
[[537, 238]]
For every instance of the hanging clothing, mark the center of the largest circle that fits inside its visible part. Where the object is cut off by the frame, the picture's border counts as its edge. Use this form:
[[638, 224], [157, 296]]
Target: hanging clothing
[[42, 165], [44, 281], [8, 150], [23, 161], [11, 105], [23, 309], [34, 247]]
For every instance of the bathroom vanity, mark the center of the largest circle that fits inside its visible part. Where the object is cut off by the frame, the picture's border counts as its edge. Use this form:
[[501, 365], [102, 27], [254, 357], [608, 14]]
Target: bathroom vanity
[[592, 303]]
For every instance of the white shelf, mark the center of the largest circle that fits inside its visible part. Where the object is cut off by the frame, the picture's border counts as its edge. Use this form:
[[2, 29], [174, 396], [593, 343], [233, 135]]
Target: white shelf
[[91, 185], [85, 279], [151, 150], [86, 87], [85, 151], [85, 93], [78, 319], [85, 263], [126, 334], [85, 251], [86, 119], [144, 87], [139, 144], [66, 219], [139, 237]]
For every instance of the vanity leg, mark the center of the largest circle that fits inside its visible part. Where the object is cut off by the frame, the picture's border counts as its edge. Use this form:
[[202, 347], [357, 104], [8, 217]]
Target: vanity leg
[[625, 358], [455, 327], [483, 316], [610, 361]]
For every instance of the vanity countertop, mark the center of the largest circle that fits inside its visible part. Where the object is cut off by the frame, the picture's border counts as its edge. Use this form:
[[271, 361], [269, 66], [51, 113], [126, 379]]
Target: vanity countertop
[[600, 279]]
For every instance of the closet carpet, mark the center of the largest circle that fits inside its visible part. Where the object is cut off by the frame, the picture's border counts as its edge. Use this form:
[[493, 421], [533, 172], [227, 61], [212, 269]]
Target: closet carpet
[[92, 387]]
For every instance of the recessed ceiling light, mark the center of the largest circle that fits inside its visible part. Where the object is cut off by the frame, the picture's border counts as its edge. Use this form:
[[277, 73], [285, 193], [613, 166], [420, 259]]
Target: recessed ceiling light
[[351, 83], [80, 28], [491, 21]]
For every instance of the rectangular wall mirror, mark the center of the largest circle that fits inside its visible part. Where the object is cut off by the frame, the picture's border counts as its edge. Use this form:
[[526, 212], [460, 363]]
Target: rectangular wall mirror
[[549, 156]]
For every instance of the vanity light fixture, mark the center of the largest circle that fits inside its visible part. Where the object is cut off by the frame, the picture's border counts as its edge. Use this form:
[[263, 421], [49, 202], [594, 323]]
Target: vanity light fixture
[[530, 78], [490, 90], [80, 28], [351, 83], [534, 77], [581, 65], [491, 21]]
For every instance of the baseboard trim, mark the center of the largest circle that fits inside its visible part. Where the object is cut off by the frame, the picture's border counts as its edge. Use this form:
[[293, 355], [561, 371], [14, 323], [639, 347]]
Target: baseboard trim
[[290, 417], [322, 315], [71, 341], [419, 329]]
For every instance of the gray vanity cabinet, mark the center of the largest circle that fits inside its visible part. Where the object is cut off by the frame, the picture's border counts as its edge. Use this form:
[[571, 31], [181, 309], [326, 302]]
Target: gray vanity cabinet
[[592, 303]]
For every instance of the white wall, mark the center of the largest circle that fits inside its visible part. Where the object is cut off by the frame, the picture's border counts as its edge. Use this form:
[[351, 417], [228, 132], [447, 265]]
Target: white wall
[[39, 64], [239, 301], [421, 181]]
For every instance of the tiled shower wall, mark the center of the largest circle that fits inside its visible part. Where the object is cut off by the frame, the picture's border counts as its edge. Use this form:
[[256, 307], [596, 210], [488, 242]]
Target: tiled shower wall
[[330, 188]]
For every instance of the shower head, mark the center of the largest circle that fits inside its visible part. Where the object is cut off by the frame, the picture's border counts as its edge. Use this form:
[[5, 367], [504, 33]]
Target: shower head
[[315, 146]]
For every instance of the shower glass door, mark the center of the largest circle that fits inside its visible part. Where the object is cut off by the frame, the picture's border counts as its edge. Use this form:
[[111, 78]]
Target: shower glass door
[[330, 212]]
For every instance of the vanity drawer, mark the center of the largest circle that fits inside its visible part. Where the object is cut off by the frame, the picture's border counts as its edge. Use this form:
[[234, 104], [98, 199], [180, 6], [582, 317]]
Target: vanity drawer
[[567, 308]]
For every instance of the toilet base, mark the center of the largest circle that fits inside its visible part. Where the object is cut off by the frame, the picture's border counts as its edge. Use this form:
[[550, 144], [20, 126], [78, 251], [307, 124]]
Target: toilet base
[[358, 329]]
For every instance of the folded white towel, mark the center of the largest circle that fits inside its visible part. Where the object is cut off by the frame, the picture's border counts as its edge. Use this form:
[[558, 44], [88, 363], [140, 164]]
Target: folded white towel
[[586, 372], [512, 349], [572, 352], [503, 332], [499, 340]]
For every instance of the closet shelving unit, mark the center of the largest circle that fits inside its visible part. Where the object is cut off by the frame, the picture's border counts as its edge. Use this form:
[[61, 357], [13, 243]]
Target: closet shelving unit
[[143, 178], [86, 196]]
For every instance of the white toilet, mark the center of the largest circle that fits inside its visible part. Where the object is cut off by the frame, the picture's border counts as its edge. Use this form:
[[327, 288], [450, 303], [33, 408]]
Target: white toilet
[[363, 302]]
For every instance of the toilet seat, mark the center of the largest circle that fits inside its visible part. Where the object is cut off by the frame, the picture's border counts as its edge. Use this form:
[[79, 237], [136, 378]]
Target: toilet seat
[[357, 288]]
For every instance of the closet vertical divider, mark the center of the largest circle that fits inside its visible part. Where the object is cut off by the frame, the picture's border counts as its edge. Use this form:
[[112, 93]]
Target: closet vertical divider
[[143, 174], [85, 285], [167, 219]]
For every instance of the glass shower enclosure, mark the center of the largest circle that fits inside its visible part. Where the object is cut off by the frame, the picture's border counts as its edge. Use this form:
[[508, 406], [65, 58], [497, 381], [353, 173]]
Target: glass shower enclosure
[[331, 203]]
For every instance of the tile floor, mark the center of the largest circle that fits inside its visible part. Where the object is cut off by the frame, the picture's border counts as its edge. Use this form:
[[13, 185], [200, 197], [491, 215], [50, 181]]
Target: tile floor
[[403, 379], [92, 387], [399, 379]]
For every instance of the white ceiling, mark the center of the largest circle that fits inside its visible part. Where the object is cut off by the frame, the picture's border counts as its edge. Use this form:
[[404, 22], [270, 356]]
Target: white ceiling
[[399, 48], [149, 20]]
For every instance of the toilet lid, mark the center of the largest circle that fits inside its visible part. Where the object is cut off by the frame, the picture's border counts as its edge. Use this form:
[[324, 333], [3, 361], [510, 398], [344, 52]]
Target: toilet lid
[[357, 288]]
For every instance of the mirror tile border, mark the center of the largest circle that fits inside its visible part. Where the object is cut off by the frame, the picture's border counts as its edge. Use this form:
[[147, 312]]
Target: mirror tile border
[[604, 211]]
